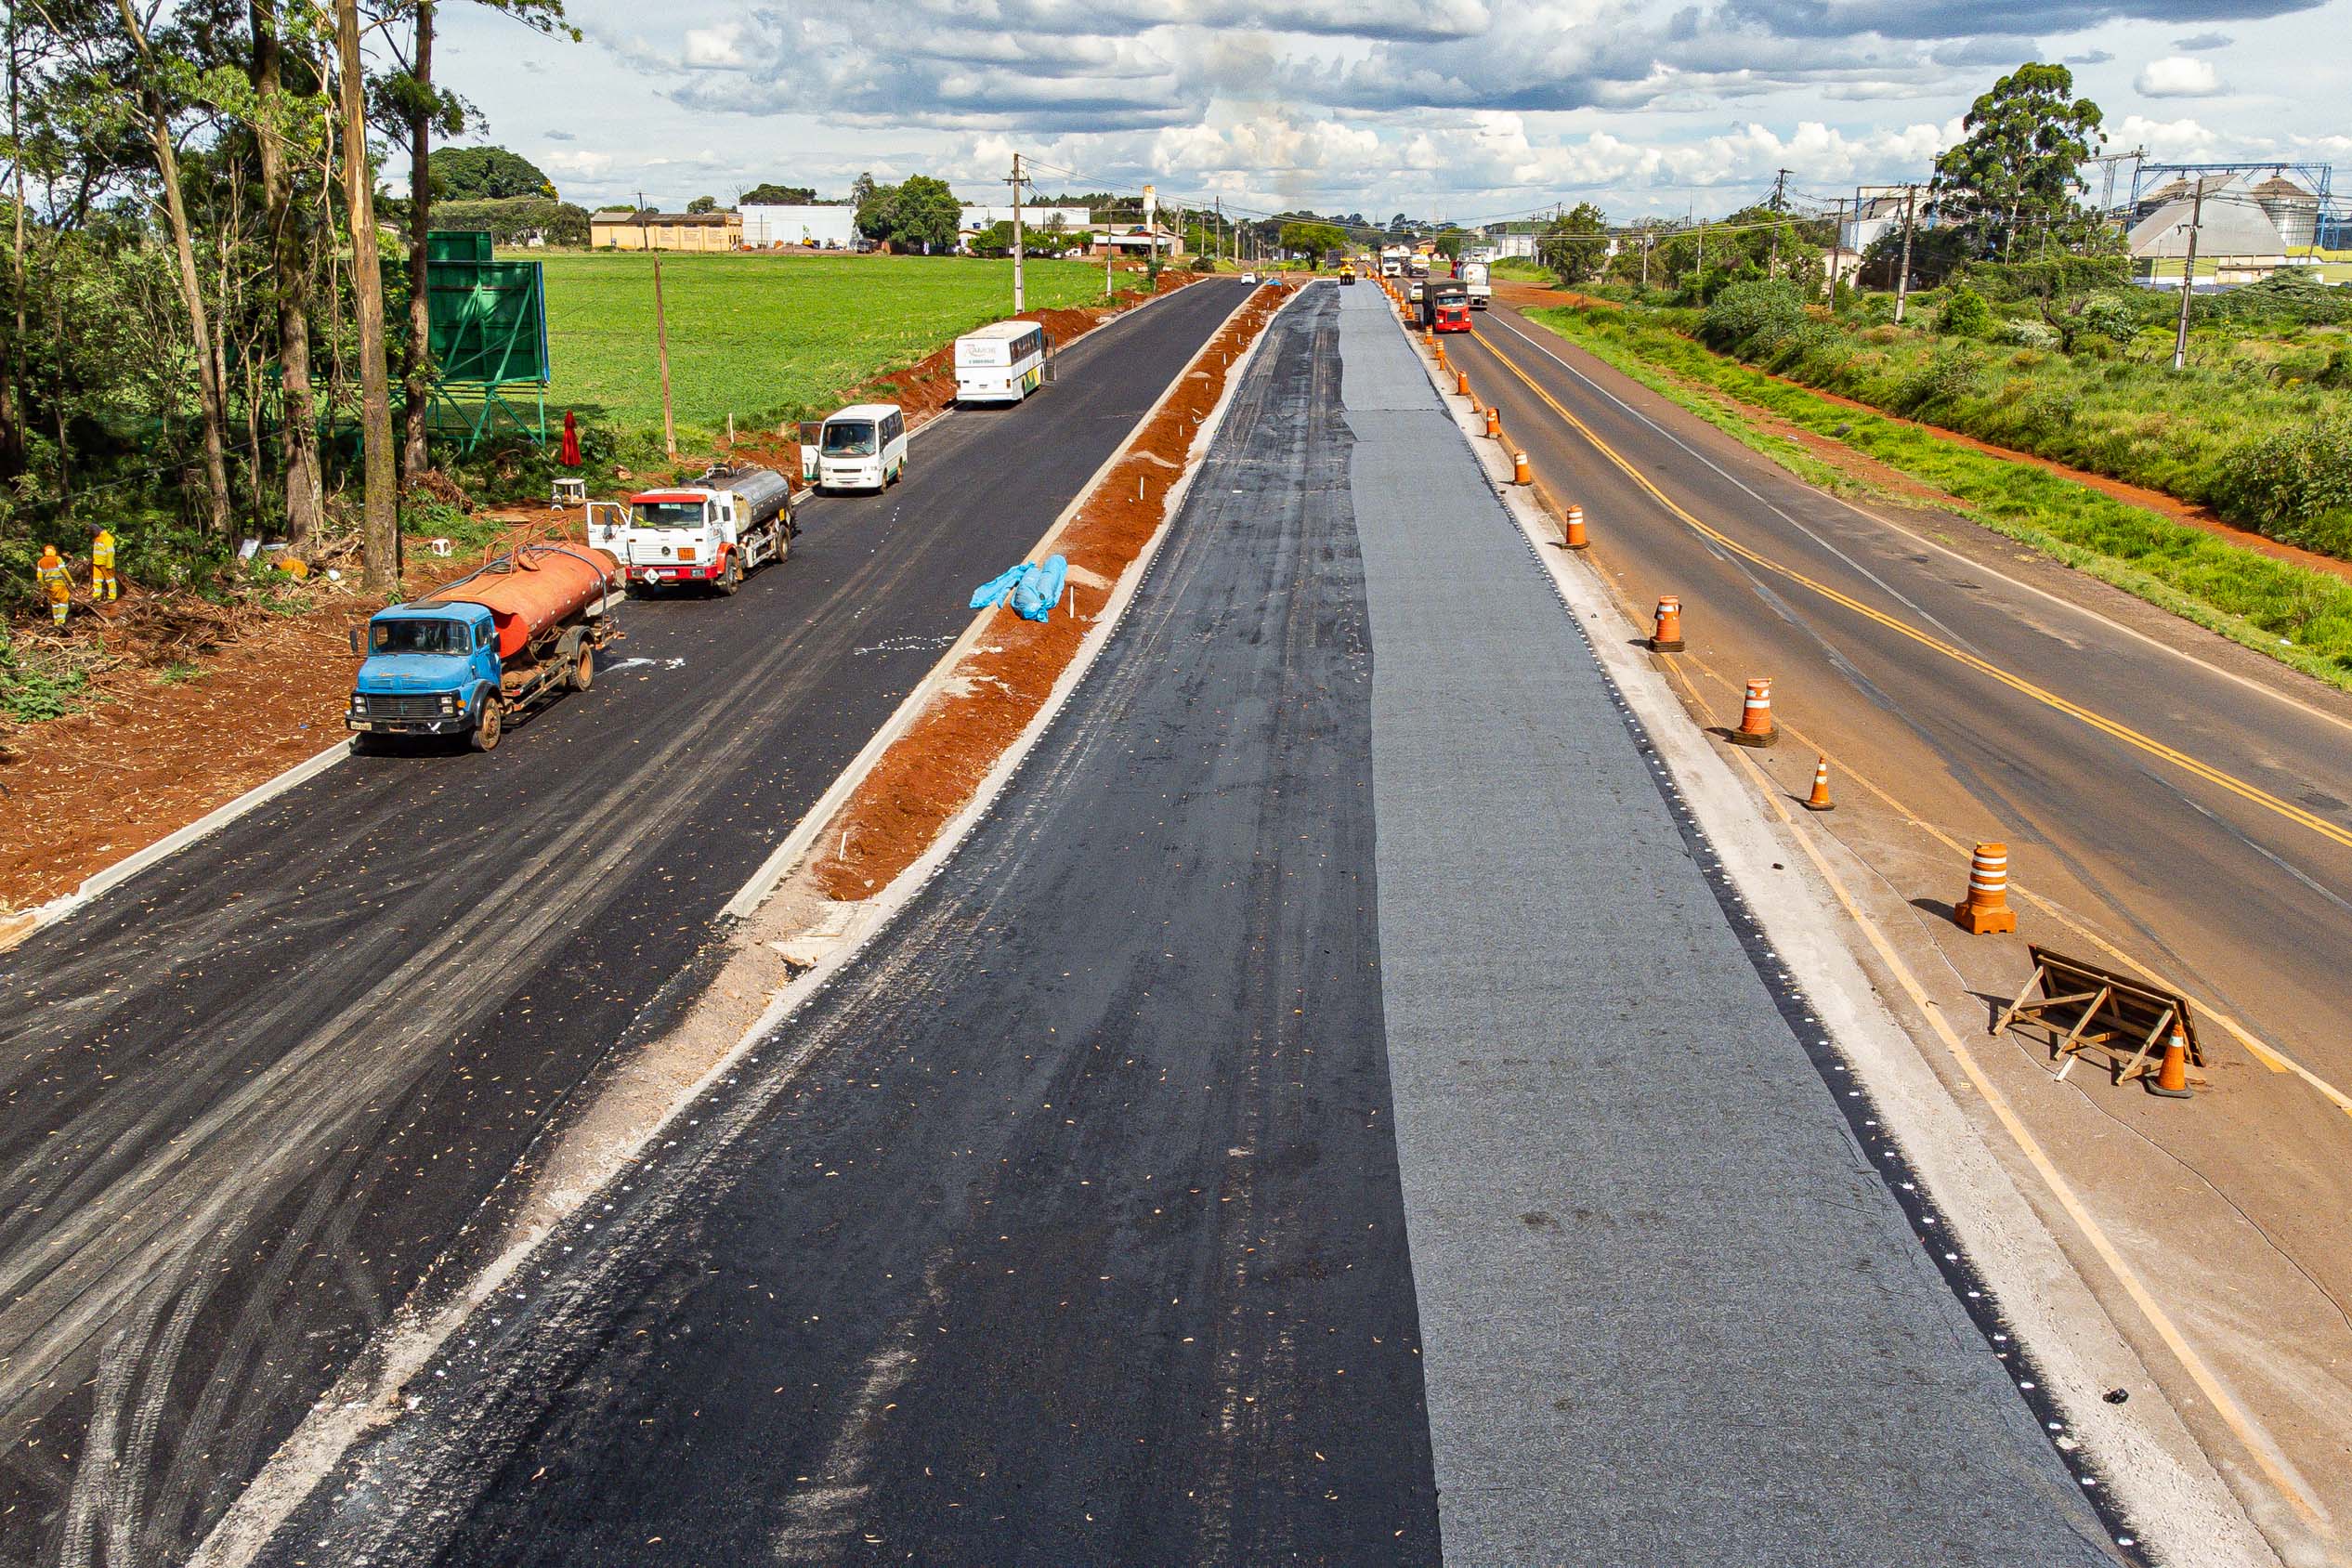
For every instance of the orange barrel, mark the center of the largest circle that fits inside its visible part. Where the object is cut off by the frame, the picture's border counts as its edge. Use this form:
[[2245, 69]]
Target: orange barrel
[[533, 589]]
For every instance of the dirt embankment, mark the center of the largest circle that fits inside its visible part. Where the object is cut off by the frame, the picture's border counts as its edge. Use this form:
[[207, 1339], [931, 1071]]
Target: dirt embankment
[[932, 771], [189, 705]]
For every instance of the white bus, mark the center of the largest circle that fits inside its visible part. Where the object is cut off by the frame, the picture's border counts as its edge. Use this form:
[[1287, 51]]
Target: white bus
[[863, 447], [1002, 362]]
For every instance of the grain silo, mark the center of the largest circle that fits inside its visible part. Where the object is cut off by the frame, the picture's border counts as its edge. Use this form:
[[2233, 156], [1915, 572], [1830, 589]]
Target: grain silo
[[2293, 210]]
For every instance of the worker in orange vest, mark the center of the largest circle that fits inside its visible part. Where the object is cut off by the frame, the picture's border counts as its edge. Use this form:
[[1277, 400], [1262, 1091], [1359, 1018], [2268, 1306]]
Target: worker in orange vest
[[55, 581], [102, 583]]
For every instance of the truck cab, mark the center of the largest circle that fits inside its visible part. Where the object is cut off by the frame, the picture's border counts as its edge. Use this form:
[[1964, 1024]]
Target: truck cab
[[713, 532], [427, 669], [511, 634]]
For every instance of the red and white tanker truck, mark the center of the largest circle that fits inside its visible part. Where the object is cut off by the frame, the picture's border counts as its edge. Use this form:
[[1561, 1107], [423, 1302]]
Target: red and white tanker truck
[[715, 529]]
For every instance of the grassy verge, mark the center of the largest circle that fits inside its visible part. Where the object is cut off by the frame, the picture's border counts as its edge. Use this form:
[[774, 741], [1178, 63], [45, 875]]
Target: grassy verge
[[2300, 617], [767, 338]]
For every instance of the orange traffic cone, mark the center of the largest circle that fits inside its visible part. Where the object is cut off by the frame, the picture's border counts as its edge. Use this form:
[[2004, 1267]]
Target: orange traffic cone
[[2172, 1074], [1819, 799], [1441, 353], [1572, 530], [1756, 716], [1665, 636], [1985, 906], [1520, 473], [1462, 382], [1495, 423]]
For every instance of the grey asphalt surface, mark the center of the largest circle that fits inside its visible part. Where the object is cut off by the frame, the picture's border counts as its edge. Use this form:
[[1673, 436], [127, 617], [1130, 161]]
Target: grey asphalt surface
[[1670, 1312], [269, 1082], [1324, 1113]]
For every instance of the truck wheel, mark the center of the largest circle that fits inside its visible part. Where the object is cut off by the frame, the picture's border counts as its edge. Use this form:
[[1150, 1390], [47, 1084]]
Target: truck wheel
[[783, 542], [488, 725], [731, 579], [583, 669]]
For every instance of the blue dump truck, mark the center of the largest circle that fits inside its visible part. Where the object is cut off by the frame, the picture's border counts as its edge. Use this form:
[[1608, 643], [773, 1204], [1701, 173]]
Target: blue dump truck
[[463, 658]]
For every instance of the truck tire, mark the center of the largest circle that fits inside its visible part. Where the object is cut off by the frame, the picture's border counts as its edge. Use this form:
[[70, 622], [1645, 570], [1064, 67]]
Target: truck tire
[[489, 726], [584, 667], [731, 579]]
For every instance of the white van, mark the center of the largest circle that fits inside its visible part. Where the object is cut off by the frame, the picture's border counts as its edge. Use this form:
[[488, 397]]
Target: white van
[[863, 447], [1002, 362]]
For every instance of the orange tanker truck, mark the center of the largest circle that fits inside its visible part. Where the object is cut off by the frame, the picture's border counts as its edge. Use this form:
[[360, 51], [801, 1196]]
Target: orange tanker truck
[[470, 654]]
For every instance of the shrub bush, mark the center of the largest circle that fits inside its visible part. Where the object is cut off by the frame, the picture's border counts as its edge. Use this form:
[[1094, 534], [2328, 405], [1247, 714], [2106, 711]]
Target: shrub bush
[[2294, 480], [1752, 317], [1965, 314], [2030, 335]]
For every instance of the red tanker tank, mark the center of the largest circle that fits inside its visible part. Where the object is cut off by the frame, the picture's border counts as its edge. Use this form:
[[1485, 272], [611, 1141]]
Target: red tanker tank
[[533, 589]]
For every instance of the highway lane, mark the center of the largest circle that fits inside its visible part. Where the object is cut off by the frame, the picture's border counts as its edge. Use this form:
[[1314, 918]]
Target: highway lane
[[1293, 1128], [251, 1096], [2244, 903]]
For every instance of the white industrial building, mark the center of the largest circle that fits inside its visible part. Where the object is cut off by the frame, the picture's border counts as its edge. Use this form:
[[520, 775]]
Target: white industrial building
[[2236, 233], [825, 226]]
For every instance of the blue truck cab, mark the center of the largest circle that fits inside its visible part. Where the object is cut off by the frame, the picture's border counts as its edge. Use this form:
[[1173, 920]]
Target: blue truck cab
[[429, 669]]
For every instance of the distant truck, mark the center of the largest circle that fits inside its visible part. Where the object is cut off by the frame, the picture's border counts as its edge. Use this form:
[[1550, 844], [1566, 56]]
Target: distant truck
[[1474, 280], [715, 530], [462, 659]]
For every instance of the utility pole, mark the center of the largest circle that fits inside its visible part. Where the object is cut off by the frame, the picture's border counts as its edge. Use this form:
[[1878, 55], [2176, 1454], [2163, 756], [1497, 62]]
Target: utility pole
[[2188, 274], [1645, 260], [660, 341], [1903, 274], [1779, 186], [1018, 303]]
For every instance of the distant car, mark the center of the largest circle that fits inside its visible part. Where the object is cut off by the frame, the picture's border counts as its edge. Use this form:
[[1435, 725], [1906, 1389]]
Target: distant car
[[1250, 277], [1414, 293]]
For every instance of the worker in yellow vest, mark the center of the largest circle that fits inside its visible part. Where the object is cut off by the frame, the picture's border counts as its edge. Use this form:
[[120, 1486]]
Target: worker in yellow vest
[[49, 571], [102, 583]]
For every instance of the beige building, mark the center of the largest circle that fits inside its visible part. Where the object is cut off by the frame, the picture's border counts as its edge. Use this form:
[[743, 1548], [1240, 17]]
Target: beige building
[[626, 231]]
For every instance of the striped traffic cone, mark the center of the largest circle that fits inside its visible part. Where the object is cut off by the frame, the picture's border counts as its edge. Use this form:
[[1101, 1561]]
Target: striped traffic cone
[[1665, 635], [2172, 1074], [1819, 799], [1494, 424], [1756, 716], [1572, 530], [1985, 906]]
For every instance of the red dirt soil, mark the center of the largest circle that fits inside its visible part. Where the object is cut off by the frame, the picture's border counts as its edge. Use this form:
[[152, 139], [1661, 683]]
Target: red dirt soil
[[931, 772]]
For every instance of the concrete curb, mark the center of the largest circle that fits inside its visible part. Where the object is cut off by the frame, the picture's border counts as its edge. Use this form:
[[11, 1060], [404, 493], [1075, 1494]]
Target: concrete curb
[[352, 1408], [2159, 1473], [171, 844]]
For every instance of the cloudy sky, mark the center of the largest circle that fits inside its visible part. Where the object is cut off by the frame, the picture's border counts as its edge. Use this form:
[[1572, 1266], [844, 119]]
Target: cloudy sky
[[1464, 109]]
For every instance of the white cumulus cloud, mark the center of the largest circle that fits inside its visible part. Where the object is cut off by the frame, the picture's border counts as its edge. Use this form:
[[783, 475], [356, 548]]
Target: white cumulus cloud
[[2178, 76]]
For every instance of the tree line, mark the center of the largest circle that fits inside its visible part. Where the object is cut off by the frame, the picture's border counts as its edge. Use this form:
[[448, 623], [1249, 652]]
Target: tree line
[[212, 302]]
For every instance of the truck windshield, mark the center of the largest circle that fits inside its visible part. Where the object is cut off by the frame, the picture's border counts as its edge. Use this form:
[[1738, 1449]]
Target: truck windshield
[[666, 514], [849, 438], [422, 636]]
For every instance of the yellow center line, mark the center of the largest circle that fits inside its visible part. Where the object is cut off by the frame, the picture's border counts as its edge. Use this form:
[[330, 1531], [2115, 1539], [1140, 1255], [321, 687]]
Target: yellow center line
[[2154, 748]]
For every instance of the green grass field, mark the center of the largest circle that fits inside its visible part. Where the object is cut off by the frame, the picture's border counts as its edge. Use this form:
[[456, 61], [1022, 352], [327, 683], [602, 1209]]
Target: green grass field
[[764, 337]]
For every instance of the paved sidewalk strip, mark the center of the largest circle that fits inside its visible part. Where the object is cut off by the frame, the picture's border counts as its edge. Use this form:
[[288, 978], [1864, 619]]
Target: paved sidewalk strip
[[1669, 1313]]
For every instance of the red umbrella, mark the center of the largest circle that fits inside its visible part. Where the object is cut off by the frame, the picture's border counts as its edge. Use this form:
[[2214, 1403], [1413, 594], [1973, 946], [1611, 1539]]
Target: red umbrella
[[571, 442]]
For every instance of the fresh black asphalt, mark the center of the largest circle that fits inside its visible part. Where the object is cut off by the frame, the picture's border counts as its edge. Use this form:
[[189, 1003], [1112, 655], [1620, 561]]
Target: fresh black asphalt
[[259, 1090], [1216, 1162]]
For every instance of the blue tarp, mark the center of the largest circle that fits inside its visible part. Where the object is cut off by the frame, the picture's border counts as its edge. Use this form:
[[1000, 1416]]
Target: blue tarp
[[1034, 589]]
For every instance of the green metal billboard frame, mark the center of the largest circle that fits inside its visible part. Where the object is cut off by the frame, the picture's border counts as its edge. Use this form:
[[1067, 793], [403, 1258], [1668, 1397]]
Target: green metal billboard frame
[[487, 328]]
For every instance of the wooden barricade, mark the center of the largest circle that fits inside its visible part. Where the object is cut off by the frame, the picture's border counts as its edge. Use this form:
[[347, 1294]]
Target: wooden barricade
[[2084, 1007]]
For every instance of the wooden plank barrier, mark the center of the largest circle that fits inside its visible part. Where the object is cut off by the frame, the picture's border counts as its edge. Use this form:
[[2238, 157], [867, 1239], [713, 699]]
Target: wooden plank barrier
[[2084, 1007]]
